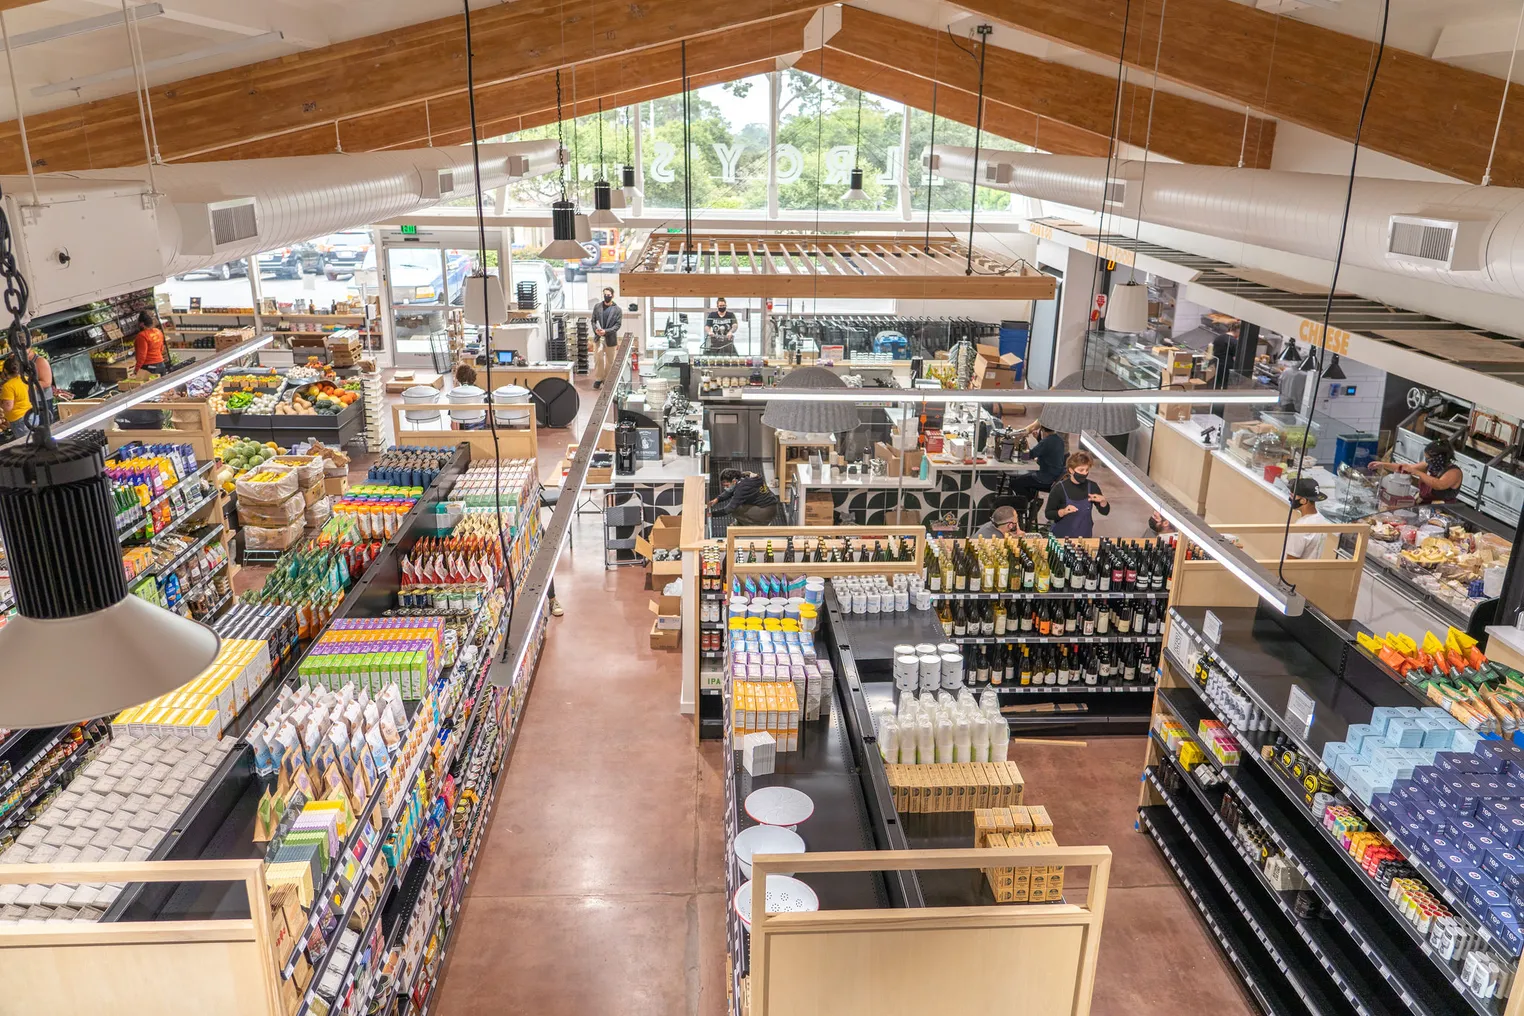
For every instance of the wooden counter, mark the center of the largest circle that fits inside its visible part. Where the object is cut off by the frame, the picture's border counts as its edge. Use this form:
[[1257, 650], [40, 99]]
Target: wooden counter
[[1180, 464]]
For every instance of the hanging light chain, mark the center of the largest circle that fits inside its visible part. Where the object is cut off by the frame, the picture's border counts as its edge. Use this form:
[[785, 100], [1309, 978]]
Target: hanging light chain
[[560, 136]]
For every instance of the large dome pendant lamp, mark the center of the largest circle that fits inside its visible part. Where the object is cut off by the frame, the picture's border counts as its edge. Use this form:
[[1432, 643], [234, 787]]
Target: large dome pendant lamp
[[857, 193], [563, 214], [80, 646], [603, 196]]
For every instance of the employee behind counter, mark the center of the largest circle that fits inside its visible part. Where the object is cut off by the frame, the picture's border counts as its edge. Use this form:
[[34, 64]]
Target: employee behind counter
[[746, 498], [1437, 476]]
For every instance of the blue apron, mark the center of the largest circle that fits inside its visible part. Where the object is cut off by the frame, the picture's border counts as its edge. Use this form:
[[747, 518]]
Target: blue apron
[[1080, 523]]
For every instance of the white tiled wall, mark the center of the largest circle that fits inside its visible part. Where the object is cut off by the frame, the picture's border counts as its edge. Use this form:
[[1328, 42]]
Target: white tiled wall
[[1361, 410]]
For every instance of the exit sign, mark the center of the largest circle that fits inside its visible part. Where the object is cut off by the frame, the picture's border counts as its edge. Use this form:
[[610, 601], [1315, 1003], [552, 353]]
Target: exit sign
[[409, 230]]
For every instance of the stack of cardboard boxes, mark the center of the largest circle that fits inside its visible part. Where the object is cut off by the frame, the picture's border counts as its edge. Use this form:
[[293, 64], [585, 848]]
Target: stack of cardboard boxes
[[1021, 826], [954, 786]]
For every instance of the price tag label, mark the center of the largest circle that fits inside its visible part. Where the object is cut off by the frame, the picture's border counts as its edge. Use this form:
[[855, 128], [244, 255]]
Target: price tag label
[[1299, 710], [1211, 628]]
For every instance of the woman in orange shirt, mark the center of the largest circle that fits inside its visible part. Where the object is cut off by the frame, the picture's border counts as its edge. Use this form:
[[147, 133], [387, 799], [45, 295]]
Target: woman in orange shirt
[[148, 347]]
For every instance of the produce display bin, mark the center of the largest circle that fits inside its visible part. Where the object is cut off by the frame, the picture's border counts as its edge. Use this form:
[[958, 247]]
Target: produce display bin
[[339, 429]]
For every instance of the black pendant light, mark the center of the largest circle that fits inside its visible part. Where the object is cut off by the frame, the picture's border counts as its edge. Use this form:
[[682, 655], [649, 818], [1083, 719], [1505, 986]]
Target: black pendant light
[[603, 199], [1310, 362], [857, 193], [1334, 371], [627, 173], [1289, 352], [563, 214]]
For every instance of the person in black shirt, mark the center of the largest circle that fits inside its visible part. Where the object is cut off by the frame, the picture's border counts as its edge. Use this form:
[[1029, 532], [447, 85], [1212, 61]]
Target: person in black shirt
[[607, 320], [1076, 499], [746, 498], [1049, 455], [719, 331]]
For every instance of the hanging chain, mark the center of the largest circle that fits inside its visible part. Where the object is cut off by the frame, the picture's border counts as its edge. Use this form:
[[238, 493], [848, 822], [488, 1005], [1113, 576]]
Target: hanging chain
[[18, 296], [560, 137], [600, 139]]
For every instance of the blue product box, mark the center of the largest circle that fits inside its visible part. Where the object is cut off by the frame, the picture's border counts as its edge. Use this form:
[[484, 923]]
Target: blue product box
[[1409, 712], [1432, 848], [1461, 825], [1433, 816], [1453, 763], [1429, 779], [1475, 762], [1485, 842], [1422, 756], [1357, 733], [1382, 776], [1405, 732], [1436, 735], [1342, 764], [1371, 742], [1465, 739], [1500, 860], [1359, 779], [1513, 789], [1504, 923], [1461, 877], [1486, 894], [1333, 749], [1381, 716]]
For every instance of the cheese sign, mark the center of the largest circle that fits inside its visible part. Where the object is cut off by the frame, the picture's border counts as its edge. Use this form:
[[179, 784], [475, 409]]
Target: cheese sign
[[1336, 341]]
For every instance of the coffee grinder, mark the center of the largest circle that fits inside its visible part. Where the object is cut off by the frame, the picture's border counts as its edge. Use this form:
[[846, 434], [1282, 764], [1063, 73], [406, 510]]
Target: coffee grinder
[[625, 443]]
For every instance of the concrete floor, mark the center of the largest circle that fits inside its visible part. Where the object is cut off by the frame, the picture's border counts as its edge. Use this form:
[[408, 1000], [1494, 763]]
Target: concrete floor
[[600, 888]]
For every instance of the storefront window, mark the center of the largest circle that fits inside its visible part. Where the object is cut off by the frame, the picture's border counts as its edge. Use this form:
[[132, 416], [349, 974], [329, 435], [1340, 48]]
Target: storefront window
[[817, 138], [946, 195], [727, 129]]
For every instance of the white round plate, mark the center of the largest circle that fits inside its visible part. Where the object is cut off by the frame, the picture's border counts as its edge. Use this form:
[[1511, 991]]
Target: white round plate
[[779, 806], [785, 895], [765, 839]]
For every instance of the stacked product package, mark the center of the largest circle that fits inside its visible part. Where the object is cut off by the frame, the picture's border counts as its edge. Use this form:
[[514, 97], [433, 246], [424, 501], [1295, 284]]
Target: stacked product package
[[378, 653], [942, 728], [206, 705], [777, 680], [313, 577], [1455, 804], [1019, 826], [376, 510]]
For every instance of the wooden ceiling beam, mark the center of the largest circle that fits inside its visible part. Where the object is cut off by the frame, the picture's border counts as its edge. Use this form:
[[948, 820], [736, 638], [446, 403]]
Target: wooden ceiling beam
[[316, 87], [1184, 129], [1422, 111], [1001, 120]]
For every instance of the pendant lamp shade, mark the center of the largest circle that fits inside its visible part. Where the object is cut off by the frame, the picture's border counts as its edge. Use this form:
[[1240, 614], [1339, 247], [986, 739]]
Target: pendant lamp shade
[[583, 230], [810, 417], [563, 226], [80, 646], [484, 303], [617, 200], [627, 183], [1127, 310], [856, 193], [1334, 371], [603, 214], [1290, 354], [1108, 418], [1311, 360]]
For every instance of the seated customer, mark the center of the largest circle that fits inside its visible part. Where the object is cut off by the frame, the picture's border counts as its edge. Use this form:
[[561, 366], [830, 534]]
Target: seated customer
[[1048, 453], [746, 498], [1002, 523]]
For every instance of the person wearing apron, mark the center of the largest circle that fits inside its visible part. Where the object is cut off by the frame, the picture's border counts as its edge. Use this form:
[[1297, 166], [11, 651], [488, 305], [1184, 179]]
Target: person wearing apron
[[1439, 479], [1076, 499]]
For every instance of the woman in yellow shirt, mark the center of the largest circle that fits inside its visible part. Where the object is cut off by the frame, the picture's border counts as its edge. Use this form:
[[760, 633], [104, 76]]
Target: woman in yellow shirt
[[15, 398]]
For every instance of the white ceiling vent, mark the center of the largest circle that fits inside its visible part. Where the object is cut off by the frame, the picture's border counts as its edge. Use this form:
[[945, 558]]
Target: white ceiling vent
[[217, 225], [446, 183], [1454, 244], [1116, 191], [997, 172]]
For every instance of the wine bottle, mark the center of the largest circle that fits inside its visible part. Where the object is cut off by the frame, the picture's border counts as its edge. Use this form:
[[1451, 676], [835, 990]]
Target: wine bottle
[[987, 620], [1028, 571], [945, 615], [1000, 617], [1088, 626], [960, 620], [1026, 666], [933, 570], [1129, 664], [987, 578], [1028, 618], [1103, 618], [975, 570], [878, 552], [1124, 618], [1003, 569], [960, 572]]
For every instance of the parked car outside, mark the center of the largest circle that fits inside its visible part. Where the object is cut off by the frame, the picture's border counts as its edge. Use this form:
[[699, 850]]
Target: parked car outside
[[416, 278], [343, 253], [291, 262]]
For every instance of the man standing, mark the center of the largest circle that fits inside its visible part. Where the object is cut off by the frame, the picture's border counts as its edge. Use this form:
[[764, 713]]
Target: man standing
[[607, 320], [719, 331], [1305, 497]]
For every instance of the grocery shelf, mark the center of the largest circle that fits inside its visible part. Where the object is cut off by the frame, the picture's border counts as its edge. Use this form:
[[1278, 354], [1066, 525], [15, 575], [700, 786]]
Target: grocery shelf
[[1072, 689], [1352, 897], [344, 913], [1231, 931], [1050, 640], [1028, 594], [173, 525], [1348, 975], [57, 777], [197, 473]]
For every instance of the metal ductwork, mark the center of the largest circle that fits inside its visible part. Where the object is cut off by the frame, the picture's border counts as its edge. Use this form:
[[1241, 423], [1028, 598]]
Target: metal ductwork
[[1457, 234], [99, 233]]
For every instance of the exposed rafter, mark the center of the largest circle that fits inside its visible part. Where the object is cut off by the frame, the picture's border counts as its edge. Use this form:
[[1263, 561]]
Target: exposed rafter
[[1183, 129], [1422, 111]]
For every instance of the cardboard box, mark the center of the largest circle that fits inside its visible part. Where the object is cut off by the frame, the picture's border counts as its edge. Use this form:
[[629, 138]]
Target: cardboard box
[[334, 486], [229, 337], [666, 534], [996, 370], [669, 612], [892, 458], [819, 508], [665, 640]]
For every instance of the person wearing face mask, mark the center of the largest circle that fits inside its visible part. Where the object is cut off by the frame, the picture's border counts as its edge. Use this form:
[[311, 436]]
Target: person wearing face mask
[[607, 320], [719, 331], [1076, 499], [1306, 495], [1438, 477]]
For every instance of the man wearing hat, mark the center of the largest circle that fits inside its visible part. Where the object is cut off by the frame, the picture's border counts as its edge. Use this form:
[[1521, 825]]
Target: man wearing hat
[[1305, 496]]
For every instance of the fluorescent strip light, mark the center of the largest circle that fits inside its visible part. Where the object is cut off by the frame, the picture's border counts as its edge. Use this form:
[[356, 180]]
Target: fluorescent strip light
[[1226, 553], [1021, 396], [140, 13], [190, 56], [101, 416]]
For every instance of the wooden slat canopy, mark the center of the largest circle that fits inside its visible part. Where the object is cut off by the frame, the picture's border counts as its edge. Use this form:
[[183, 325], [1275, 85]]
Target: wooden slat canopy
[[837, 267]]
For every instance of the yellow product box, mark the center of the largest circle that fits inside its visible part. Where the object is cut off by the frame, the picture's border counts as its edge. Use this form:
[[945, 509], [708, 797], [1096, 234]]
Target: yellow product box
[[1040, 820]]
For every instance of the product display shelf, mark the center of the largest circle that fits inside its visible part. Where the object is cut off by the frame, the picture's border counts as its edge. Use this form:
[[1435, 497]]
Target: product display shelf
[[186, 594], [1352, 906], [1287, 939], [1049, 640], [1025, 594], [23, 749], [57, 779], [1393, 575], [344, 912], [173, 525], [196, 474], [208, 534], [1136, 688], [1326, 728], [1236, 939]]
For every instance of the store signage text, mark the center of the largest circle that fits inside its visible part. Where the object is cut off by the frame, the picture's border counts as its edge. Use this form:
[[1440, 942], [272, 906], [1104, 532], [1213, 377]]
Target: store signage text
[[1337, 340], [838, 164], [1109, 252], [1040, 231]]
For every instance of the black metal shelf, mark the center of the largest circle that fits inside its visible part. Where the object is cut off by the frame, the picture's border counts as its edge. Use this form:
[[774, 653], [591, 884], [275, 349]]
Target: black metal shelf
[[1363, 910], [173, 525], [1073, 689], [1051, 640], [1230, 930]]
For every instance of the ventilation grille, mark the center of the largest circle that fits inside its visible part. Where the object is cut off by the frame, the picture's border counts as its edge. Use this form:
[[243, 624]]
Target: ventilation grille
[[1422, 241], [232, 223], [997, 172], [1116, 192], [447, 181]]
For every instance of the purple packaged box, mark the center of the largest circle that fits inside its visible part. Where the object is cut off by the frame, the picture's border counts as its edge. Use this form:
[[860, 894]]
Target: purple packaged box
[[1467, 762]]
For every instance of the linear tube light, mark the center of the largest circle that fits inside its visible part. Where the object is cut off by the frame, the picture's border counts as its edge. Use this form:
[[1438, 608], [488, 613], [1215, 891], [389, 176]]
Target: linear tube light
[[103, 414], [1027, 396], [1232, 557]]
